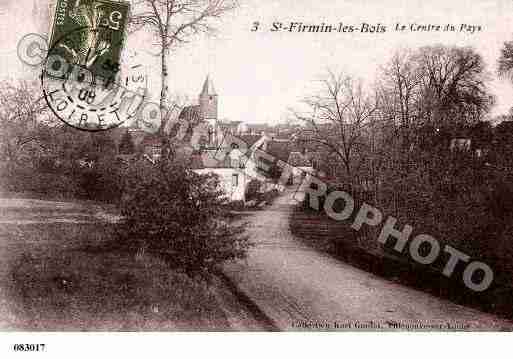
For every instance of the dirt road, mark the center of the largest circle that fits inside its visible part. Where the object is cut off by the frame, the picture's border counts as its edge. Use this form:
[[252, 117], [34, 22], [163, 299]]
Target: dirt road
[[299, 288]]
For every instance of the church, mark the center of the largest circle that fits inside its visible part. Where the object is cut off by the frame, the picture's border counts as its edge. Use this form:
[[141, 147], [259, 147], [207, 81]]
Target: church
[[239, 165]]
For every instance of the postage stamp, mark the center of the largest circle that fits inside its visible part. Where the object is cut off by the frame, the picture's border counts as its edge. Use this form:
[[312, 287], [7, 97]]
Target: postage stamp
[[80, 79], [98, 45]]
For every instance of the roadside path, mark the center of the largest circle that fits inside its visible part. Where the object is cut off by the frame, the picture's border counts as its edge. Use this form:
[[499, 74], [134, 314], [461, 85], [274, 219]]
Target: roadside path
[[293, 284]]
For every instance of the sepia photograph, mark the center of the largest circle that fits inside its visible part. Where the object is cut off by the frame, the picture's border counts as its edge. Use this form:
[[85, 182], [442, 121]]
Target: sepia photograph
[[243, 166]]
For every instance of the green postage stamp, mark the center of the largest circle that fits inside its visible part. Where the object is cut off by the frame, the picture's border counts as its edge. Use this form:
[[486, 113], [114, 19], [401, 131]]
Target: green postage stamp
[[90, 33]]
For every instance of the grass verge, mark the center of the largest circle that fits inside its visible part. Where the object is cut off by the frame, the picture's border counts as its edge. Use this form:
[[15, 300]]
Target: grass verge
[[67, 277]]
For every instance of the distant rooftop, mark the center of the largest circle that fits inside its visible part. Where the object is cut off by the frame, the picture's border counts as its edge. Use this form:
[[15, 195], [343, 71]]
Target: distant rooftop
[[297, 159]]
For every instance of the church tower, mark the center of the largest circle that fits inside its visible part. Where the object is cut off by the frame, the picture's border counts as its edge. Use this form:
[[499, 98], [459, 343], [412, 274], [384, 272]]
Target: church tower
[[208, 108]]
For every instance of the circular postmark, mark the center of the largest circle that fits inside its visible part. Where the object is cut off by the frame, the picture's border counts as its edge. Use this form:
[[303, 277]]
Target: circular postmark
[[82, 87]]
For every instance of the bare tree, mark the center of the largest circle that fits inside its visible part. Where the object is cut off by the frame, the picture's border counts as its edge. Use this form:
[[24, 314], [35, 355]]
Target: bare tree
[[398, 91], [434, 87], [425, 97], [338, 119], [176, 22], [21, 121]]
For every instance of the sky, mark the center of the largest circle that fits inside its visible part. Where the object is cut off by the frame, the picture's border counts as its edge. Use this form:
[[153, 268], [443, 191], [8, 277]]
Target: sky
[[260, 75]]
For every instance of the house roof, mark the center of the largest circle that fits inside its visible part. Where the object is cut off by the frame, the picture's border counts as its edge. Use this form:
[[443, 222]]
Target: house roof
[[191, 114], [206, 159], [297, 159], [249, 140], [226, 125], [281, 150]]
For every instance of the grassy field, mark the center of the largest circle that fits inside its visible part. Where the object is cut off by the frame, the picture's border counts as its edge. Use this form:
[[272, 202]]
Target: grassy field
[[66, 276]]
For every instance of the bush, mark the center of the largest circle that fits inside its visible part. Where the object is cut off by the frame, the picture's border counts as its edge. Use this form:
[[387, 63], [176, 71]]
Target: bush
[[103, 182], [253, 189], [178, 215], [458, 200], [269, 196], [235, 206], [30, 180]]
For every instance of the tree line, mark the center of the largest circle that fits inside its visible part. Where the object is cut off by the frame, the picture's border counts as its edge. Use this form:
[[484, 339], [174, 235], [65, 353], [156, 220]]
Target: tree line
[[419, 144]]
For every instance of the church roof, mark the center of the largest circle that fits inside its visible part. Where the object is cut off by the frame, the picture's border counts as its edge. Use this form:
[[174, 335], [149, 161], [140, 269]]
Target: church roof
[[249, 140], [208, 87], [191, 114]]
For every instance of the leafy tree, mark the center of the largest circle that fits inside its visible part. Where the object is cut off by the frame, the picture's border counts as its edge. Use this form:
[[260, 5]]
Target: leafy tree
[[482, 135], [253, 189], [178, 215], [504, 141], [98, 145]]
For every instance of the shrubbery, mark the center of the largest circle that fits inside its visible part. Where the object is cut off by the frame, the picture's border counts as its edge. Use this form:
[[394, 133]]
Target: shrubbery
[[270, 195], [22, 179], [178, 215], [253, 189], [457, 199], [454, 197], [102, 182]]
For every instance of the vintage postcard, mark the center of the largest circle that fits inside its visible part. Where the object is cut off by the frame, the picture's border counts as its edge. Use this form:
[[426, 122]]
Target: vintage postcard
[[255, 166]]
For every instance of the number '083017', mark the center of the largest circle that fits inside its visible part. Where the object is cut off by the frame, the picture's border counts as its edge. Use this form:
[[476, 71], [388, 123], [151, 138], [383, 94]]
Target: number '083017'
[[29, 347]]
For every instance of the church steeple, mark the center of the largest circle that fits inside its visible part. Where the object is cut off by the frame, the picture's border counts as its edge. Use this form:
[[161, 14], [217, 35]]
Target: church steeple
[[208, 87], [208, 100], [208, 109]]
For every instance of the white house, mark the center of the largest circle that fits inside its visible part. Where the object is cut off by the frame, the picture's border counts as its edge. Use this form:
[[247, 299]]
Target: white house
[[301, 166]]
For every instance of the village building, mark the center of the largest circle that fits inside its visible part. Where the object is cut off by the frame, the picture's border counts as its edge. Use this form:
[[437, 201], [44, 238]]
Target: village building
[[292, 153], [301, 164], [228, 149], [235, 165]]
